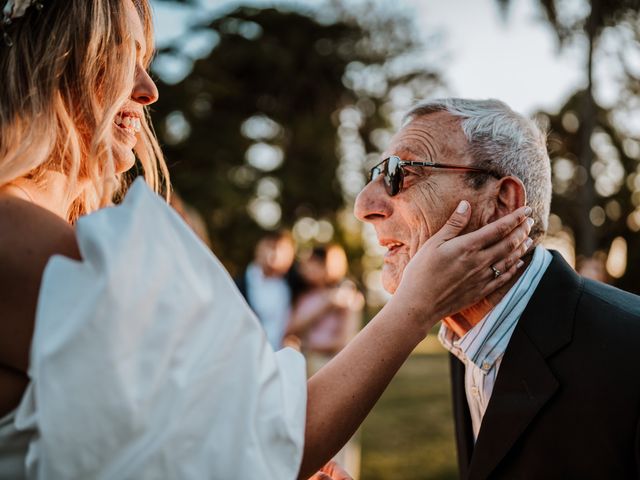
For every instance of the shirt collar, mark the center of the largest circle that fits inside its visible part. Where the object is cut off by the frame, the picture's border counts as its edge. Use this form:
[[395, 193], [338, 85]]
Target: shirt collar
[[487, 341]]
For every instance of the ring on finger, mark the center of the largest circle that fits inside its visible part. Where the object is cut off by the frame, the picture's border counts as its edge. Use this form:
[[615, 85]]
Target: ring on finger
[[496, 272]]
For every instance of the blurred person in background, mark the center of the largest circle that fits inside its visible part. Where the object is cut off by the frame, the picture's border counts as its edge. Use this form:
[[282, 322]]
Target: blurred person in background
[[326, 315], [266, 284], [544, 372], [327, 309], [593, 267]]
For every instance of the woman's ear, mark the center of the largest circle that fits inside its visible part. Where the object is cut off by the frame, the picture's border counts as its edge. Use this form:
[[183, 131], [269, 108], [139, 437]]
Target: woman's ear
[[510, 195]]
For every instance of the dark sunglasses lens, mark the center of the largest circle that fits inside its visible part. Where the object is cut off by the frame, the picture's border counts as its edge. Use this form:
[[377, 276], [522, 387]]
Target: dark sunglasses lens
[[393, 177]]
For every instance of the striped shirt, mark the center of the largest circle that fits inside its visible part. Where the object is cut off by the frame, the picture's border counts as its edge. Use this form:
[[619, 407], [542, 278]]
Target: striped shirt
[[481, 349]]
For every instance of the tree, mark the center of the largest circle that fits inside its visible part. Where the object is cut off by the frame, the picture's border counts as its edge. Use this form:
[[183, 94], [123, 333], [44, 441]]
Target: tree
[[278, 119], [570, 22], [613, 214], [593, 151]]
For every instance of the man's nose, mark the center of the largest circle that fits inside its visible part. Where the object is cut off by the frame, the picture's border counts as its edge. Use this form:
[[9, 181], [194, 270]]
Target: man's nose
[[372, 203]]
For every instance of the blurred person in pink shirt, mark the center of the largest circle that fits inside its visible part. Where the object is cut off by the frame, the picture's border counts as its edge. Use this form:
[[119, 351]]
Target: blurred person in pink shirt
[[326, 315]]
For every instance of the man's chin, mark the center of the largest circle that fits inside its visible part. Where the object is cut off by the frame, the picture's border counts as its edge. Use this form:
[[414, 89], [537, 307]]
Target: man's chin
[[389, 282]]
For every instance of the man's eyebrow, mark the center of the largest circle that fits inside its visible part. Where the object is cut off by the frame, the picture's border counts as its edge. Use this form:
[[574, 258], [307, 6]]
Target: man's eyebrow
[[406, 153], [420, 154]]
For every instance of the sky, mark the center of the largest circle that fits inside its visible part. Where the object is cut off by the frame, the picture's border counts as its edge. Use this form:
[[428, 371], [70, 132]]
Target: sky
[[484, 54], [514, 58]]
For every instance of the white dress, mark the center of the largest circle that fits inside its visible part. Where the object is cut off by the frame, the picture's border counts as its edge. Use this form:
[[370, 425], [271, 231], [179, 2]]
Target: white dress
[[146, 362], [13, 448]]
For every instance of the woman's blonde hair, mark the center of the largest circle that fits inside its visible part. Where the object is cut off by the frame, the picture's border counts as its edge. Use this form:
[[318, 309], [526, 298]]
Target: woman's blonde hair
[[65, 77]]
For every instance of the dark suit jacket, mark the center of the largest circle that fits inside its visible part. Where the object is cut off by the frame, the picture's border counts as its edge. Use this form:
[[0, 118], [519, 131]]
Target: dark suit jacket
[[566, 402]]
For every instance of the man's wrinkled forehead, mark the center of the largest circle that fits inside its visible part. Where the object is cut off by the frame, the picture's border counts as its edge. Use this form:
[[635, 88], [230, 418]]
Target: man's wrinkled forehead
[[428, 138]]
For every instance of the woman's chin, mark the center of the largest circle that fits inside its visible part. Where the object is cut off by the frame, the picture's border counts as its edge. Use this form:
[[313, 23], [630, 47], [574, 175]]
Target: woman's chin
[[124, 141], [124, 159]]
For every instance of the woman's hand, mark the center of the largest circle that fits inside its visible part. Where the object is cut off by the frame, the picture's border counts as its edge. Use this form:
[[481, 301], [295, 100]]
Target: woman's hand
[[451, 272], [331, 471]]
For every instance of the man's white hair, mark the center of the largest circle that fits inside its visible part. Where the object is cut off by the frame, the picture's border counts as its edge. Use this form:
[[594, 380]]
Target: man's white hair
[[503, 142]]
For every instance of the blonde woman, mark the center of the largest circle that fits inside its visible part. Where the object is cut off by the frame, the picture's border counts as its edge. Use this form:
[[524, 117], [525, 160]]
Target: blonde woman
[[125, 349]]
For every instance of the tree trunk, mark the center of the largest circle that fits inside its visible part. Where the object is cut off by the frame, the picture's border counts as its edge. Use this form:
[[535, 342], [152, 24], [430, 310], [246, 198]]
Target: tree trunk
[[586, 238]]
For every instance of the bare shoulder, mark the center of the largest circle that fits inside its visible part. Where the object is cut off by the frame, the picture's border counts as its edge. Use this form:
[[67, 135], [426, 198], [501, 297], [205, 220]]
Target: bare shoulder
[[29, 236]]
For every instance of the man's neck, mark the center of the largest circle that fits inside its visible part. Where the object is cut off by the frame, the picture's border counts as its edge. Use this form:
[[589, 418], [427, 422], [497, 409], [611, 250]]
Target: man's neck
[[463, 321]]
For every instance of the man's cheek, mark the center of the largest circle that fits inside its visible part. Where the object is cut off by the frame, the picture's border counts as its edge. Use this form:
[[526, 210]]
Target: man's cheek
[[420, 239], [401, 263]]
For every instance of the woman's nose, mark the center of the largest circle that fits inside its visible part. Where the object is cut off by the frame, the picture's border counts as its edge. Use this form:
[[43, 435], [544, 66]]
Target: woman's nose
[[145, 91]]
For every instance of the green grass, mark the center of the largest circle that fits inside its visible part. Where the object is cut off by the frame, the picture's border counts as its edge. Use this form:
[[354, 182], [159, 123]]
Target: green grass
[[409, 434]]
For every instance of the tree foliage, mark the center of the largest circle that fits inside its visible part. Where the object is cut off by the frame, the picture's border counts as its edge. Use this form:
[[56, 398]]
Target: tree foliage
[[266, 123], [615, 170], [595, 155], [589, 20], [569, 18]]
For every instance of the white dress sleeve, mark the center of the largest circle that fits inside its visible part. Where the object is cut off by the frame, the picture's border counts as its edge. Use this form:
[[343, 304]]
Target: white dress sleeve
[[147, 363]]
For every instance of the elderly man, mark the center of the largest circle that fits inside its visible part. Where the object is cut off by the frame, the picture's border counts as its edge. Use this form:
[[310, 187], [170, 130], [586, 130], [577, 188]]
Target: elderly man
[[544, 371]]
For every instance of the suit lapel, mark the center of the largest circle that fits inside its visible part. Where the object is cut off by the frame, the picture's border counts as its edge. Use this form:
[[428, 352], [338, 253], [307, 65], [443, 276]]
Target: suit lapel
[[525, 382], [524, 385], [464, 427]]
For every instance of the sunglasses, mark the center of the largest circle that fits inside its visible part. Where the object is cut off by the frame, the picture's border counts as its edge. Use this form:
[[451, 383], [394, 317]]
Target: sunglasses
[[392, 169]]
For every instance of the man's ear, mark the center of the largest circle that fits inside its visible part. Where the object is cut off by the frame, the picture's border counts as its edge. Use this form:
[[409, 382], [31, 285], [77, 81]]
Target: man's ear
[[510, 195]]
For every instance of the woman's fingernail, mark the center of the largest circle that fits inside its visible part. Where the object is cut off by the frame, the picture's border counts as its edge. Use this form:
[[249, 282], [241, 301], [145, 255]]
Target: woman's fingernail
[[527, 211], [527, 243], [530, 221], [463, 206], [519, 264]]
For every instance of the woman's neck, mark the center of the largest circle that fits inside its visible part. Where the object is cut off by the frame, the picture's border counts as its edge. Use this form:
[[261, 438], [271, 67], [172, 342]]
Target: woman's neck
[[50, 192]]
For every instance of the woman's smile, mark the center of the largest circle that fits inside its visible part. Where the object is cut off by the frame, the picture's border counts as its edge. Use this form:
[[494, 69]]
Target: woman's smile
[[127, 126]]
